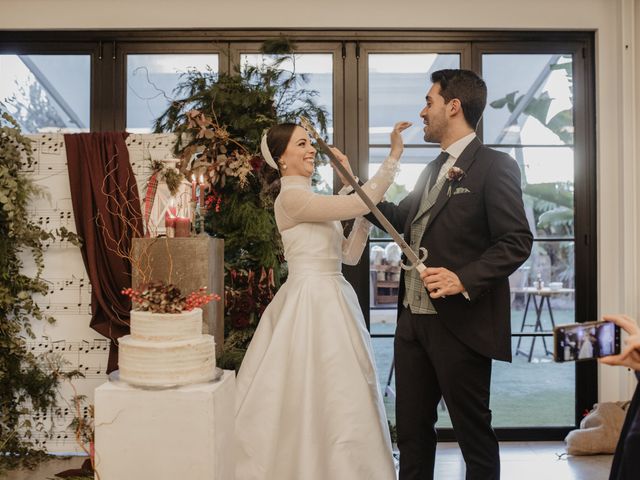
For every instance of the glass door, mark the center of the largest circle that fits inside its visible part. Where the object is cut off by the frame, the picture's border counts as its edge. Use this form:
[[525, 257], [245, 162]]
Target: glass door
[[530, 116], [396, 81], [535, 97]]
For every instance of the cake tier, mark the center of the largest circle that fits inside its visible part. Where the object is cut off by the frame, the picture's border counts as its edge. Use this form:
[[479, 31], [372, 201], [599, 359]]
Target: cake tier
[[180, 362], [166, 326]]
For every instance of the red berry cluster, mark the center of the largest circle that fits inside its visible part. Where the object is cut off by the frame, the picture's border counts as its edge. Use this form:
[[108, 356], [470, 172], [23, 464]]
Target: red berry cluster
[[199, 298], [214, 200], [134, 295]]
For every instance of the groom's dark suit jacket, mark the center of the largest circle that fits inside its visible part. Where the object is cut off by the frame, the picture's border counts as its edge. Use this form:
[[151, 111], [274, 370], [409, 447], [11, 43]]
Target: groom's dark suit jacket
[[482, 235]]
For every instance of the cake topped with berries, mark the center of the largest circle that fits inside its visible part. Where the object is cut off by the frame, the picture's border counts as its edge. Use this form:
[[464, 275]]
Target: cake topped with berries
[[166, 346]]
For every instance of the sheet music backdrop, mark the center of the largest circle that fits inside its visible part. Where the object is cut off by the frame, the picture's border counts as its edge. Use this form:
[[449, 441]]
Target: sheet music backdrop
[[69, 296]]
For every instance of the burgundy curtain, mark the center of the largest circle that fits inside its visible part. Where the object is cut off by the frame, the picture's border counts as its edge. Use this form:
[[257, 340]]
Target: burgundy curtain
[[107, 213]]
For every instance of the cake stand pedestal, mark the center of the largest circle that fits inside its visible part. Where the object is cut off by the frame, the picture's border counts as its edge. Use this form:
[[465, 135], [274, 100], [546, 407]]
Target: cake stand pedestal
[[174, 433]]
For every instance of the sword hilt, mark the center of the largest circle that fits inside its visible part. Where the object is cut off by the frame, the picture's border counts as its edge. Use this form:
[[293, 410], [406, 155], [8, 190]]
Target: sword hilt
[[419, 265]]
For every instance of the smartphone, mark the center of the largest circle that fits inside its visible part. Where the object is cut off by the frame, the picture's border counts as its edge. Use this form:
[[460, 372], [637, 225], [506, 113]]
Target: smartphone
[[584, 341]]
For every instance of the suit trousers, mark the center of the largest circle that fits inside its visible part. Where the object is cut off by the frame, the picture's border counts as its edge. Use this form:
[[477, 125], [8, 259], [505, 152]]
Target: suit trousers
[[431, 363]]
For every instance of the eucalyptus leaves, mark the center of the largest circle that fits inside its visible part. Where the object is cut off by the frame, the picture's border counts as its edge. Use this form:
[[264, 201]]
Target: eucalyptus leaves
[[27, 383]]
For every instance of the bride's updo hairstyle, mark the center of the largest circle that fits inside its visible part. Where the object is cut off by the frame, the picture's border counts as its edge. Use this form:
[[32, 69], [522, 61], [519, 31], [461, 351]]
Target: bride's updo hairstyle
[[278, 138]]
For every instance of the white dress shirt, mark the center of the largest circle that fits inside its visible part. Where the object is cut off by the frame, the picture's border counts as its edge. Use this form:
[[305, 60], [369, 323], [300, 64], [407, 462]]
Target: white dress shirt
[[454, 151]]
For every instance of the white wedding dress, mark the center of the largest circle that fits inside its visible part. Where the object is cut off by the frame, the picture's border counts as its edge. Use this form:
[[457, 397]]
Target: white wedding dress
[[308, 404]]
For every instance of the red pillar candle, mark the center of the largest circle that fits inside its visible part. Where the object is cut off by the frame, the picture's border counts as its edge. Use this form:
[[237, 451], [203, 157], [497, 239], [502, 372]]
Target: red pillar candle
[[169, 220], [193, 187], [183, 227]]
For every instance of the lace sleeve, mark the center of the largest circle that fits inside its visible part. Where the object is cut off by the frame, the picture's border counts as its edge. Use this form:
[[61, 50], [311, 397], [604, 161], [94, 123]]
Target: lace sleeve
[[353, 246], [307, 206]]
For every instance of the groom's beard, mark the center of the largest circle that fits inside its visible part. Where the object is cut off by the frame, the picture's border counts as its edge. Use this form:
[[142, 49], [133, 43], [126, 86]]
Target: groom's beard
[[433, 133], [430, 137]]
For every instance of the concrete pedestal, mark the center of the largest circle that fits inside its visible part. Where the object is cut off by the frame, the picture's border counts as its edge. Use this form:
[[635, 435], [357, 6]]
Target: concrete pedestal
[[190, 263], [180, 433]]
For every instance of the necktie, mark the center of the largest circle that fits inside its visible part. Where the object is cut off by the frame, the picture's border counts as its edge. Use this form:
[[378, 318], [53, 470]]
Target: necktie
[[438, 162]]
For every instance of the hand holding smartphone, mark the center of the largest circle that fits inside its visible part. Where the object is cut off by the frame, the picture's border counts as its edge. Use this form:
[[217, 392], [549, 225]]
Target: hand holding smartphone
[[585, 341], [630, 354]]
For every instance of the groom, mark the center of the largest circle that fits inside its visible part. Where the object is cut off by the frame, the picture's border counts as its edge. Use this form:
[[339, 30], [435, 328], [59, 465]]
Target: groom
[[454, 318]]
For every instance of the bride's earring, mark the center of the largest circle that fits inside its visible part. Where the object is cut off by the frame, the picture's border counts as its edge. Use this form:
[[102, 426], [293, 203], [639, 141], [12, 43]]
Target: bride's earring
[[283, 166]]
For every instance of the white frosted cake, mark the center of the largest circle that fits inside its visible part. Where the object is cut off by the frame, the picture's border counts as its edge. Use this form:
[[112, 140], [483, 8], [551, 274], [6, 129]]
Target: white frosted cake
[[166, 349]]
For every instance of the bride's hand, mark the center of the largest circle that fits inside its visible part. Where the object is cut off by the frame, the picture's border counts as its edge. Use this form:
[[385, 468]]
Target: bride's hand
[[397, 145], [342, 158]]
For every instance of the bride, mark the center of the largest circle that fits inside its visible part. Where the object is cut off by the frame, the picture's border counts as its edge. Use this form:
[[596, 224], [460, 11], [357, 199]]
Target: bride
[[308, 404]]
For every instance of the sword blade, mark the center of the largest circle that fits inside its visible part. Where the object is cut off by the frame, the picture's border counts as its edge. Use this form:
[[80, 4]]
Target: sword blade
[[412, 257]]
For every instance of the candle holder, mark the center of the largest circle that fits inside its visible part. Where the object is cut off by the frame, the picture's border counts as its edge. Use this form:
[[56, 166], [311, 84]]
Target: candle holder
[[192, 205], [201, 191], [202, 215], [170, 215]]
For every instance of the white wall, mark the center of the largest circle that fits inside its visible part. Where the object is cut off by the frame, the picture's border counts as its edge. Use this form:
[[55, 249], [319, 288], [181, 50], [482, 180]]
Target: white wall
[[459, 14], [618, 177], [617, 77]]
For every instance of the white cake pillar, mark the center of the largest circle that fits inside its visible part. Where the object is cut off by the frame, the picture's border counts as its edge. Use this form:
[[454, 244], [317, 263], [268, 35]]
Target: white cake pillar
[[179, 433]]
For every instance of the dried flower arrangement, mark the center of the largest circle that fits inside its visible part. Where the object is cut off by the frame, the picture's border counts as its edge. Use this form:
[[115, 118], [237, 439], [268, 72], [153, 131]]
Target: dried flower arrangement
[[161, 297]]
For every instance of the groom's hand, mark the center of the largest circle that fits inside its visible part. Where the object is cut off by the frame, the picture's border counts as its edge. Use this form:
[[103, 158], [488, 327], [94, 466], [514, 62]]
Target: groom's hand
[[441, 282]]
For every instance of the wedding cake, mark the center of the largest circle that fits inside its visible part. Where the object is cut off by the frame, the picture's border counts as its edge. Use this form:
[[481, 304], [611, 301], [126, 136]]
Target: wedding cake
[[166, 349]]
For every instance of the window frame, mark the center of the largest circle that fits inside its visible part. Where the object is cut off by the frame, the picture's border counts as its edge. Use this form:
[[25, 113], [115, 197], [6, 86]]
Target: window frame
[[108, 49], [92, 49]]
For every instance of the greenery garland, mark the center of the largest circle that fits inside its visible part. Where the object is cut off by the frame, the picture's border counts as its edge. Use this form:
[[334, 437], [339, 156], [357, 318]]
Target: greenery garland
[[28, 384]]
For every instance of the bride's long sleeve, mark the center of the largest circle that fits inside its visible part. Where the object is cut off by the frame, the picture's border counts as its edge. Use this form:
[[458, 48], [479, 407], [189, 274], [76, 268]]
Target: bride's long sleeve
[[353, 246], [306, 206]]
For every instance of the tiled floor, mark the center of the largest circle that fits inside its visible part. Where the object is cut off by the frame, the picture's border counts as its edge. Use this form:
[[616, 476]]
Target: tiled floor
[[520, 461]]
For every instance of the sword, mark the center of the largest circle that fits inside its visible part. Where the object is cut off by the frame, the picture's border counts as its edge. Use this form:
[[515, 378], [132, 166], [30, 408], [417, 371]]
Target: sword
[[414, 260]]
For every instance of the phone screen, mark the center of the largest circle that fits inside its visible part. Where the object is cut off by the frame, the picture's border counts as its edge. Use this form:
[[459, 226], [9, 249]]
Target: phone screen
[[584, 341]]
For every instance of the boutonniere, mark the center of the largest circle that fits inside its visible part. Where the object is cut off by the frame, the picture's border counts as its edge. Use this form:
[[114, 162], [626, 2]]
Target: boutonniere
[[454, 174]]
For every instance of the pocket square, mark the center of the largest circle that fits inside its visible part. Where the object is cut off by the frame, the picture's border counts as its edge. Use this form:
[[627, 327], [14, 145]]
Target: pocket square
[[460, 190]]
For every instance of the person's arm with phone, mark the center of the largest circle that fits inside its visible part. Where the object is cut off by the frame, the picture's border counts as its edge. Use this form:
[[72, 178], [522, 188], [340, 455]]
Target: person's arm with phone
[[630, 356], [626, 461]]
